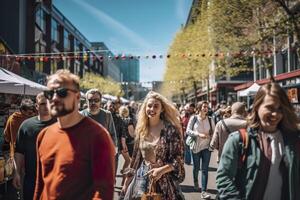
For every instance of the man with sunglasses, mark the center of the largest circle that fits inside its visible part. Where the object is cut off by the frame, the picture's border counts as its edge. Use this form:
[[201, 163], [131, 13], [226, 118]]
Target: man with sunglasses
[[26, 146], [94, 111], [75, 156]]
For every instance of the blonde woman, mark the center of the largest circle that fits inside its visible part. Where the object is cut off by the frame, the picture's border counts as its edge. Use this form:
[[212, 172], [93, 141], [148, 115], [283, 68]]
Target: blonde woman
[[158, 150]]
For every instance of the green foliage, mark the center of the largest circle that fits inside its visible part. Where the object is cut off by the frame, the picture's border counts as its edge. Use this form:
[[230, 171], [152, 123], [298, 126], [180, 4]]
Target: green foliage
[[105, 85], [232, 30]]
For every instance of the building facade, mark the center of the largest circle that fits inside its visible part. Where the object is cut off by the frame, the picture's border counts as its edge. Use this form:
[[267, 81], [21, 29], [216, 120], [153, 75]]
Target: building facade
[[45, 40], [110, 67], [129, 66]]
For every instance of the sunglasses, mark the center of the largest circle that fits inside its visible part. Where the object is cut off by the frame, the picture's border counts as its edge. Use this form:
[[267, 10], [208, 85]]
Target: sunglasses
[[93, 100], [60, 92]]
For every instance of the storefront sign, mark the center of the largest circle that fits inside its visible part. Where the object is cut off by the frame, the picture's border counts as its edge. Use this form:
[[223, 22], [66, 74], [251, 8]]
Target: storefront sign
[[293, 95]]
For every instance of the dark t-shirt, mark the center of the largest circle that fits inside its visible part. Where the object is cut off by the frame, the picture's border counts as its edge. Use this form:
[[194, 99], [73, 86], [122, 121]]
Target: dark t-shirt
[[125, 133], [26, 142]]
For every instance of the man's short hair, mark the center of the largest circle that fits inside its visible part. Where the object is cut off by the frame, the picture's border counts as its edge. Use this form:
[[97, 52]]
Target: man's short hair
[[66, 76], [93, 91], [238, 108], [26, 104]]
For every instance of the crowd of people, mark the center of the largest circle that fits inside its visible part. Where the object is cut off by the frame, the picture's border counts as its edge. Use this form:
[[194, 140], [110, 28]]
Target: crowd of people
[[64, 151]]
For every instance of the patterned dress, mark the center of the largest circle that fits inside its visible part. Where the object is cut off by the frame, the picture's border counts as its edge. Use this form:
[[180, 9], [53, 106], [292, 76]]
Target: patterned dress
[[169, 150]]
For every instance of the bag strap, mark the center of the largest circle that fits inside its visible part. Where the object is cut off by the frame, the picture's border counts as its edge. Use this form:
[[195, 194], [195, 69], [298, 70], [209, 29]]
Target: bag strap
[[11, 146], [106, 119], [226, 127], [244, 138], [194, 121], [152, 187], [210, 126]]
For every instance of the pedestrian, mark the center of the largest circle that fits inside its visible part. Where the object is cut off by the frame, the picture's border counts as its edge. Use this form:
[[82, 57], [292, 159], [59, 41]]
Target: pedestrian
[[13, 124], [118, 124], [75, 155], [226, 126], [127, 139], [26, 147], [94, 111], [201, 128], [158, 150], [189, 110], [15, 120], [264, 162]]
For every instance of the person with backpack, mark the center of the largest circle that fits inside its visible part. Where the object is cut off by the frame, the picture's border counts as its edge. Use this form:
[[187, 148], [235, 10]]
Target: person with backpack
[[226, 126], [263, 162], [200, 128]]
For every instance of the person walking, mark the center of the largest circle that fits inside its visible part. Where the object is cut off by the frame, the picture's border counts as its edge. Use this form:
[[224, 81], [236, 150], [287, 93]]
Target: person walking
[[201, 128], [263, 162], [26, 147], [158, 151], [226, 126], [75, 155], [94, 111]]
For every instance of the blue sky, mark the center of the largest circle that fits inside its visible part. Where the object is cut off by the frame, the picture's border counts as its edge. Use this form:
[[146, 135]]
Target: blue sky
[[138, 27]]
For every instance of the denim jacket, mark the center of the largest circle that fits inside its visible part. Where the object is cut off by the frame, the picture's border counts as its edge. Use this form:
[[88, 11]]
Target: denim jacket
[[236, 182]]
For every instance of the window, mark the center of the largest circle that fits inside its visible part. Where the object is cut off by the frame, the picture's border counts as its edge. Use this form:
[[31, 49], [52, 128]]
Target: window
[[40, 19], [39, 48], [66, 40], [53, 66], [54, 31], [76, 67]]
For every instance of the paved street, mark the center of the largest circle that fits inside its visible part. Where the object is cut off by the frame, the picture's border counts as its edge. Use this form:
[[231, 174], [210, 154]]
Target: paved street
[[187, 186]]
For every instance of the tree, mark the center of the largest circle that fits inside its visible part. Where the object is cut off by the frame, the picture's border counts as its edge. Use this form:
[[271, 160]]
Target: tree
[[105, 85]]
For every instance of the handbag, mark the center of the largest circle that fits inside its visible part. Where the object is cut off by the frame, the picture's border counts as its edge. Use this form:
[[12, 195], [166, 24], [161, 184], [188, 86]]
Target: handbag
[[10, 163], [151, 194], [190, 141]]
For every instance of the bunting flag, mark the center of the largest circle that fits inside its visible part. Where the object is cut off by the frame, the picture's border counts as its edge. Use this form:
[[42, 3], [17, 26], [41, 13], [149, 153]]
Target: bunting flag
[[90, 55]]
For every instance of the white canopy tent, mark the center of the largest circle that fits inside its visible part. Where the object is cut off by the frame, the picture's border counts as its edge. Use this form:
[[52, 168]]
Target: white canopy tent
[[108, 97], [14, 84], [252, 90]]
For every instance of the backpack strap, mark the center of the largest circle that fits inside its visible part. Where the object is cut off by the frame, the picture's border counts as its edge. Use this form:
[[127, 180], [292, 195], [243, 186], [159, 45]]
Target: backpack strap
[[210, 126], [225, 126], [244, 138], [107, 119]]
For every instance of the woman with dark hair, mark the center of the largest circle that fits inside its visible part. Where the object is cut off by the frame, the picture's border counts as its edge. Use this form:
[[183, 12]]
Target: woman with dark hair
[[158, 151], [201, 128], [264, 162]]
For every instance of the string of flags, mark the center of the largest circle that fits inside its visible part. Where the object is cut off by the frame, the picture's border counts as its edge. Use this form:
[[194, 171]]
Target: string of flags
[[87, 55]]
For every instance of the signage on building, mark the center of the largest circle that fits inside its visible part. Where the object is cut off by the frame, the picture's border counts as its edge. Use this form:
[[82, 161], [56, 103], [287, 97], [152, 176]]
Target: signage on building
[[293, 95]]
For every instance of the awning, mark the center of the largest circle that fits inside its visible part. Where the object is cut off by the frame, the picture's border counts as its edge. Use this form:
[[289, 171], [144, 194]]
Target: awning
[[14, 84], [252, 90]]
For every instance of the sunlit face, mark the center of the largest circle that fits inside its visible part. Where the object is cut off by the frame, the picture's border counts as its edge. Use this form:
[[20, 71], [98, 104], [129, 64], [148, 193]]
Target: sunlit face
[[94, 103], [270, 113], [153, 108], [204, 108], [191, 109], [42, 106], [61, 106]]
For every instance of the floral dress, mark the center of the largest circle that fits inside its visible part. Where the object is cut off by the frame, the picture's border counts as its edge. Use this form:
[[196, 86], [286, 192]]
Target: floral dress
[[169, 150]]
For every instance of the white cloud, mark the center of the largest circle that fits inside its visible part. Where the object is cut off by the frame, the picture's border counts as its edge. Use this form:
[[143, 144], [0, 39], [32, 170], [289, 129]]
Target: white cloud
[[118, 27]]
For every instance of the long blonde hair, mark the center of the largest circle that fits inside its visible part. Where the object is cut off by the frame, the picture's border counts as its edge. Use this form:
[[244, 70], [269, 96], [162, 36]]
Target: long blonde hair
[[170, 114]]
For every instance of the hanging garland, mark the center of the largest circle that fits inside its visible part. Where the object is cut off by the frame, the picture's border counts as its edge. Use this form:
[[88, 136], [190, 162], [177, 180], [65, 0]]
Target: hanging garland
[[86, 55]]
